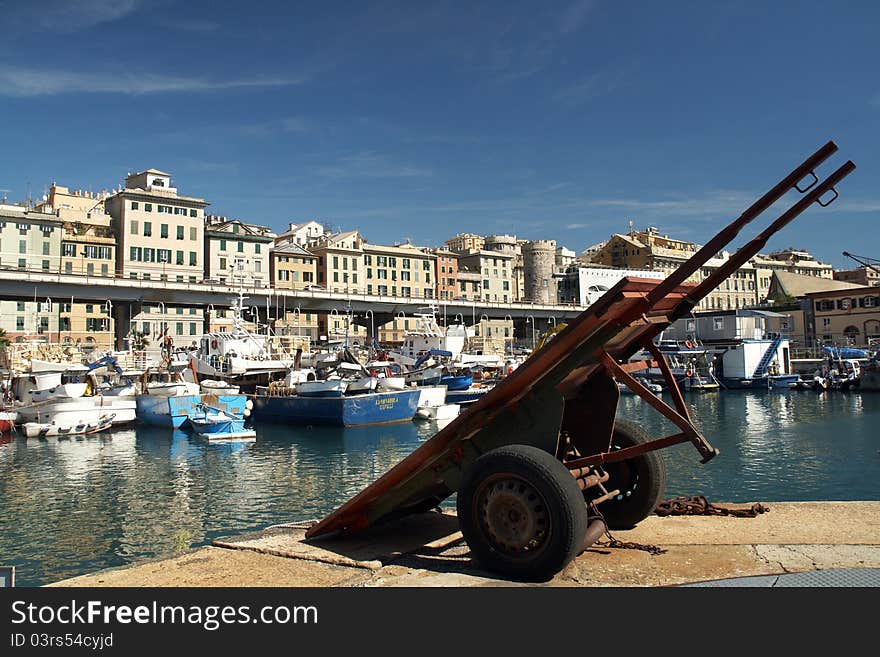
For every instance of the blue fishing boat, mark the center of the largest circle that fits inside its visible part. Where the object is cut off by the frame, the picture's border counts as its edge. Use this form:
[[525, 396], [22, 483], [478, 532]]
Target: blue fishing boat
[[455, 383], [348, 411], [172, 412], [214, 424]]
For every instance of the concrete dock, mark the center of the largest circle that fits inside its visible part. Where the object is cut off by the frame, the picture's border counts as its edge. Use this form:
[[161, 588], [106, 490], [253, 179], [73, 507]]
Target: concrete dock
[[427, 550]]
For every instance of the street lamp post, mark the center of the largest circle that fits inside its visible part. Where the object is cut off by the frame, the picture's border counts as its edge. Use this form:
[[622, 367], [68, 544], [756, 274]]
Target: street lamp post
[[531, 320], [372, 328], [109, 315]]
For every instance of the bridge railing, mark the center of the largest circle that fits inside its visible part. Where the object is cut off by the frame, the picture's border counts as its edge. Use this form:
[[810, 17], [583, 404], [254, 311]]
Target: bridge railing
[[39, 276]]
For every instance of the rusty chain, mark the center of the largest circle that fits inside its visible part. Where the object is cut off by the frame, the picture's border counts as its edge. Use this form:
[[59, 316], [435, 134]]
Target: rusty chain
[[700, 506], [612, 542], [677, 506]]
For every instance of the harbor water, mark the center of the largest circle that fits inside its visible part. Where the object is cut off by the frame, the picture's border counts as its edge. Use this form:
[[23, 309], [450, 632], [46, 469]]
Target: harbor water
[[78, 505]]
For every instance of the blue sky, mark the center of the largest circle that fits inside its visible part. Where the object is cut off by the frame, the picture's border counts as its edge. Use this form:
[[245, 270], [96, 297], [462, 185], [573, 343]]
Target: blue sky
[[557, 120]]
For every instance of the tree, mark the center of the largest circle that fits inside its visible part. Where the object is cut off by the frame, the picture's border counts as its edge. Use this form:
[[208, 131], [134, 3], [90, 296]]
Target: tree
[[138, 340], [4, 339]]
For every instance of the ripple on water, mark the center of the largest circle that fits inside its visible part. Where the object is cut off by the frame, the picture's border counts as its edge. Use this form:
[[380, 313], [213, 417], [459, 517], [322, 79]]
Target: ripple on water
[[74, 506]]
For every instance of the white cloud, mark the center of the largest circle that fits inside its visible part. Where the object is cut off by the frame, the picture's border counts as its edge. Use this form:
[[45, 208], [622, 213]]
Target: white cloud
[[22, 82]]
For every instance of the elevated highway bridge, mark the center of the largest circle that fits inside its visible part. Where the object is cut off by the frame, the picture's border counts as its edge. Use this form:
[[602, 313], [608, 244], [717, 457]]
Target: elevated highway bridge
[[128, 296]]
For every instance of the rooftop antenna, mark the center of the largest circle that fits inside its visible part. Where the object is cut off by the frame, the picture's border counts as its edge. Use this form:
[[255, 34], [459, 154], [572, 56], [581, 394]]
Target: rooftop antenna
[[631, 227]]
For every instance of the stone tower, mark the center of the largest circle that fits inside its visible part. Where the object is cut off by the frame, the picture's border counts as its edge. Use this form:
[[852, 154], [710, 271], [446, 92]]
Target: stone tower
[[539, 260]]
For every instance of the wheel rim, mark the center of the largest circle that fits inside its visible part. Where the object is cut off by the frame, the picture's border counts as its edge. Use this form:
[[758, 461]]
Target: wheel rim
[[623, 476], [513, 516]]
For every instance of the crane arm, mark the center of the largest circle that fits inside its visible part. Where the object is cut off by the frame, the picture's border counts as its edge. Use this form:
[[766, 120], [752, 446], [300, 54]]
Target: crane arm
[[862, 260]]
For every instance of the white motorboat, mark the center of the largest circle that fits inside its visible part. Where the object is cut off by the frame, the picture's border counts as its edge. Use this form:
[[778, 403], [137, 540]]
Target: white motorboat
[[61, 427], [172, 388], [326, 388], [123, 409], [390, 383], [61, 391], [439, 413], [215, 387]]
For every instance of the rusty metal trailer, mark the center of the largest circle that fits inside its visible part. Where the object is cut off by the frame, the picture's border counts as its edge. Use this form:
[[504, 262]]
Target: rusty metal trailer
[[536, 457]]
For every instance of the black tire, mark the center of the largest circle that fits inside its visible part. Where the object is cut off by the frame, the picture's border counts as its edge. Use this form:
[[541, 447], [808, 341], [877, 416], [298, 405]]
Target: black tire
[[521, 513], [641, 480]]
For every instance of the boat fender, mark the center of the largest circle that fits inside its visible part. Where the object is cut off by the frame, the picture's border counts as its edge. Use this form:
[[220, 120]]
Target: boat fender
[[689, 344], [689, 373], [213, 344]]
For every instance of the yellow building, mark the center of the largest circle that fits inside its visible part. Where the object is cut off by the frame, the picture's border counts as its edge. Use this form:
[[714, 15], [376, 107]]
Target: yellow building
[[649, 250], [466, 242], [160, 233], [88, 243], [403, 270], [237, 253], [293, 268], [846, 317], [340, 262]]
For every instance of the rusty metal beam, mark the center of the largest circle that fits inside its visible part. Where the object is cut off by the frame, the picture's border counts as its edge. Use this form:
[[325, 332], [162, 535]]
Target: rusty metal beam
[[683, 422], [628, 452], [687, 269], [669, 378]]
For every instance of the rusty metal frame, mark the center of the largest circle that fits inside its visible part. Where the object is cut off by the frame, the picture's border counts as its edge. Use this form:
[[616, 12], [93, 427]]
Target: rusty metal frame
[[624, 320]]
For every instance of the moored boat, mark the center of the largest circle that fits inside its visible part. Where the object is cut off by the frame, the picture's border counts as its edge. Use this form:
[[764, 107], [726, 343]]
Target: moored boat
[[215, 424], [7, 420], [60, 428], [172, 412], [217, 387], [340, 410]]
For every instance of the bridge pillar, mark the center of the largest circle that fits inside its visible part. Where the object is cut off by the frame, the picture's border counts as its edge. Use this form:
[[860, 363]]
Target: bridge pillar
[[124, 313]]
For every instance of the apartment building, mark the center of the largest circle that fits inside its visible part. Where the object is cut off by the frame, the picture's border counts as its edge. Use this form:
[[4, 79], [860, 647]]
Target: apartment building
[[237, 253], [292, 267], [340, 262], [794, 261], [496, 269], [184, 325], [649, 250], [447, 273], [32, 240], [88, 242], [845, 317], [860, 275], [296, 329], [402, 270], [301, 234], [470, 284], [510, 245], [160, 233], [29, 240], [492, 336], [466, 242]]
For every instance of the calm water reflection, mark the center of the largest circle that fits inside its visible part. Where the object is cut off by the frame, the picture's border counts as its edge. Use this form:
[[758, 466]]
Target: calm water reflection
[[74, 506]]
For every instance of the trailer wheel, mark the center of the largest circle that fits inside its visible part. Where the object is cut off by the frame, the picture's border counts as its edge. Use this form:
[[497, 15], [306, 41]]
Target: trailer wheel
[[641, 480], [521, 512]]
